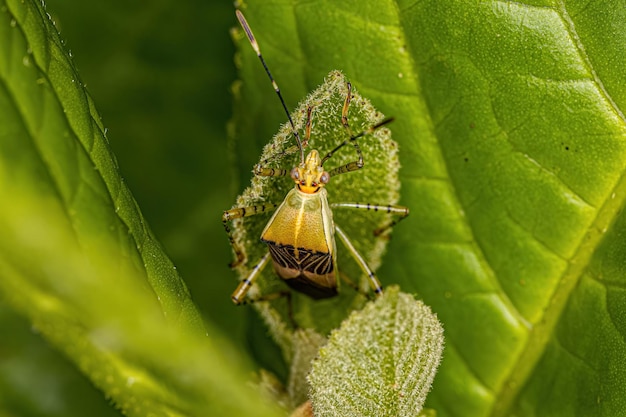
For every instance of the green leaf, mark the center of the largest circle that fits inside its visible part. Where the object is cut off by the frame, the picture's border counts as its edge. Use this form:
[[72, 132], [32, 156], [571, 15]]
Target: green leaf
[[51, 121], [379, 152], [78, 260], [165, 99], [307, 344], [496, 83], [116, 334], [380, 362], [511, 128]]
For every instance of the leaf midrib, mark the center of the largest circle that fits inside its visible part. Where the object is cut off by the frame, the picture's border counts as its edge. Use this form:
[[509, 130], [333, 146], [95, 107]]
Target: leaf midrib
[[474, 245], [541, 333]]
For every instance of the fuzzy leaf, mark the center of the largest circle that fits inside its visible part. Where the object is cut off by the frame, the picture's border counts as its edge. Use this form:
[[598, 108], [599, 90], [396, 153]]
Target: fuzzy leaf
[[306, 345], [380, 362], [377, 184], [510, 124]]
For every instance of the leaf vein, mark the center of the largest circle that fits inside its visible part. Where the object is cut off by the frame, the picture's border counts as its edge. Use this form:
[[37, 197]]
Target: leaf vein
[[573, 33], [475, 246]]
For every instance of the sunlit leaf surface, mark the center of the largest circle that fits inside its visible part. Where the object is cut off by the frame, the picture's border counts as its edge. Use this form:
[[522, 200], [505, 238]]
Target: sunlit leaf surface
[[510, 122]]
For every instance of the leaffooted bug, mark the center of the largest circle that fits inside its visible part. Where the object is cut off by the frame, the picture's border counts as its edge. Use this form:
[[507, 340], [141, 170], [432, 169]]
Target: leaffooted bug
[[300, 235]]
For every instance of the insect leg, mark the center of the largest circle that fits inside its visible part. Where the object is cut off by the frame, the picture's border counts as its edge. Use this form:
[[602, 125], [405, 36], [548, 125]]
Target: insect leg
[[238, 213], [374, 282], [358, 164], [400, 211], [344, 115], [346, 279], [307, 131], [269, 172], [261, 170], [239, 295], [243, 287]]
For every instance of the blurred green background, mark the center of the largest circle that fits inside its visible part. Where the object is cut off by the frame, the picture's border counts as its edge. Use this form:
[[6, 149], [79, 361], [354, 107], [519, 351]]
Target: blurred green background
[[160, 73]]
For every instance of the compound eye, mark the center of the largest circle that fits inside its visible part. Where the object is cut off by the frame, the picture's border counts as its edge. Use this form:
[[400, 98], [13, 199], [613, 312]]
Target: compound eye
[[295, 174], [325, 177]]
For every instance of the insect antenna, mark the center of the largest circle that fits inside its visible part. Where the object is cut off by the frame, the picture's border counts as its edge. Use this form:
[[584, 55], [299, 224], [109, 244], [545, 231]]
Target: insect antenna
[[255, 46], [367, 131]]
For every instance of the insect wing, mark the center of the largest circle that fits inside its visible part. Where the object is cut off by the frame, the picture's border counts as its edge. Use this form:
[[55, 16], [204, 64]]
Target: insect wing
[[300, 237]]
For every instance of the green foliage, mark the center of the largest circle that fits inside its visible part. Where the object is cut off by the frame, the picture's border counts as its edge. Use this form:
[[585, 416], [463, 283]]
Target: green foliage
[[97, 308], [78, 260], [402, 341], [511, 131], [377, 183], [510, 122]]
